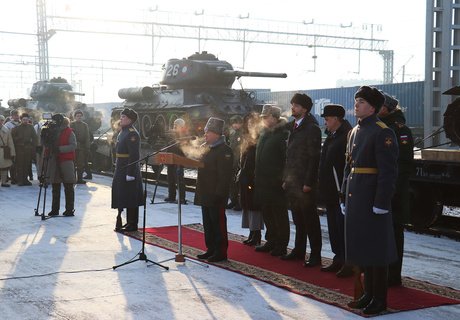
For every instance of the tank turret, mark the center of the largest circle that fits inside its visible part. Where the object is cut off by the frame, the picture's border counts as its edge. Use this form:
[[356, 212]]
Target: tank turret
[[204, 70]]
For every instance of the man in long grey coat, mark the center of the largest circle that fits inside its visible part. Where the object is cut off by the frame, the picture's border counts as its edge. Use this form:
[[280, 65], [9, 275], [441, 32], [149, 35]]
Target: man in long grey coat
[[370, 176]]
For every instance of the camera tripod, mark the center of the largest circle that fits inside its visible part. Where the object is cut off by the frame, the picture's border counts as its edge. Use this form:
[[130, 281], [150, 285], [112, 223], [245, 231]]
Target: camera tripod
[[43, 185]]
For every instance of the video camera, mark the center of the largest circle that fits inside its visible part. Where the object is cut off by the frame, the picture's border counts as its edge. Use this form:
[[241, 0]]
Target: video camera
[[50, 129]]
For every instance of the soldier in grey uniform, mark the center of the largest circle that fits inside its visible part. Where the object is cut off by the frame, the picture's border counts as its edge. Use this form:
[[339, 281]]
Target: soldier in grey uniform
[[370, 176], [25, 141], [80, 128]]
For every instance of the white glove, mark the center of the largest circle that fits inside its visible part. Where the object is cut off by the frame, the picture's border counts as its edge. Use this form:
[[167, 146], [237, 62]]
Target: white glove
[[130, 178], [379, 211], [343, 208]]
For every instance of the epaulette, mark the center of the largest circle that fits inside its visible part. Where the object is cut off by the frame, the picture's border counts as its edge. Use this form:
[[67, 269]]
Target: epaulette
[[132, 129], [381, 124]]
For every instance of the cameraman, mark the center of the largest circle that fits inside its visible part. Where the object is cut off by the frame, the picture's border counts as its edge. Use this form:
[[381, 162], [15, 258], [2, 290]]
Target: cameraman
[[60, 150]]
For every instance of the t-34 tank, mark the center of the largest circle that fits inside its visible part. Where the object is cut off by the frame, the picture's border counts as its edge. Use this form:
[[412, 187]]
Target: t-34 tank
[[194, 89], [56, 96]]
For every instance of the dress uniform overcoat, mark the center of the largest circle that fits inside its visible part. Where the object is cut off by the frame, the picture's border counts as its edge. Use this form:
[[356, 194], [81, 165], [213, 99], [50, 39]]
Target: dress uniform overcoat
[[127, 194], [370, 172]]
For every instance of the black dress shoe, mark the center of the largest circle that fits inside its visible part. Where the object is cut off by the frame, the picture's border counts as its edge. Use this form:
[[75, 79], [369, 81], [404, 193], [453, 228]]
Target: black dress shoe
[[81, 182], [204, 255], [313, 261], [5, 185], [249, 239], [278, 251], [293, 256], [217, 258], [375, 306], [69, 213], [129, 228], [53, 213], [333, 267], [88, 177], [361, 302], [345, 272], [266, 247]]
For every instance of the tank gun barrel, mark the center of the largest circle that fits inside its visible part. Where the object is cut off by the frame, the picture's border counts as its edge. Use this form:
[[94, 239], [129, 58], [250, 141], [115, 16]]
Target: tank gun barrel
[[74, 92], [254, 74]]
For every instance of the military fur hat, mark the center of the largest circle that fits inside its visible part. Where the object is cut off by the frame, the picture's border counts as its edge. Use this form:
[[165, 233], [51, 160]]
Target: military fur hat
[[372, 95], [130, 113], [274, 111], [303, 100], [390, 102], [333, 110], [215, 125], [78, 111]]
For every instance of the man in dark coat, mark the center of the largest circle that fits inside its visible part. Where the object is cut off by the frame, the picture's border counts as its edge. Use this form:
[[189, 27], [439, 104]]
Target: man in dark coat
[[300, 179], [370, 176], [331, 167], [212, 187], [269, 194], [25, 141], [127, 183], [234, 141], [393, 117]]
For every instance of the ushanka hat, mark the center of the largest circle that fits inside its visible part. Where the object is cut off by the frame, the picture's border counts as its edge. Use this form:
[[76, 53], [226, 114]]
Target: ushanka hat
[[372, 95], [333, 110], [130, 113], [390, 102], [215, 125]]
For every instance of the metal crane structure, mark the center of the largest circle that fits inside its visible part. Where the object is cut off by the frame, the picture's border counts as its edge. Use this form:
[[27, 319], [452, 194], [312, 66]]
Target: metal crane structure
[[442, 63], [43, 70], [324, 37]]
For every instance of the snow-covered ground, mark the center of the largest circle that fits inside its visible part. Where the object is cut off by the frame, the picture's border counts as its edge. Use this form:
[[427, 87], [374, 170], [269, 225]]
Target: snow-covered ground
[[61, 268]]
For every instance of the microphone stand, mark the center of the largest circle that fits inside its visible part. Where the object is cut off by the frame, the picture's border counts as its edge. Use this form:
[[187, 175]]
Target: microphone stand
[[142, 255]]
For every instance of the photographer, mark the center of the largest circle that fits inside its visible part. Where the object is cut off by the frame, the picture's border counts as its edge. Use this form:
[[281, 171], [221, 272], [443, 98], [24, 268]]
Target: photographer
[[60, 144]]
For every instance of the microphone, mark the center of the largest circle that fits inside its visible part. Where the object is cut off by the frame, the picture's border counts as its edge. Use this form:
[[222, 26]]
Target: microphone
[[189, 138]]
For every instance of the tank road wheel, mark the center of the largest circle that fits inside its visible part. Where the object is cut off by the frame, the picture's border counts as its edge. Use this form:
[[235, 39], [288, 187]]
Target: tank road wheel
[[425, 205]]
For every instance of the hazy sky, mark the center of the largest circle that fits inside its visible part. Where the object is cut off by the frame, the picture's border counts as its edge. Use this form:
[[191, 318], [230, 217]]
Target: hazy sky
[[402, 23]]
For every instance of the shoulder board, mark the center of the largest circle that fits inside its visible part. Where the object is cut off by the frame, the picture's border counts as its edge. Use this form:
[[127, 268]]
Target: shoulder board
[[132, 129], [381, 124]]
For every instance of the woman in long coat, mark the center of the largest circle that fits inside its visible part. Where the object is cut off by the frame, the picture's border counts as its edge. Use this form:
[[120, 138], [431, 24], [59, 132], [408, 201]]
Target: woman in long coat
[[5, 141]]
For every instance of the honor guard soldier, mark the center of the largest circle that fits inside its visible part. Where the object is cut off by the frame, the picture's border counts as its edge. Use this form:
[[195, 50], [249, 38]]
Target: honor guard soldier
[[394, 118], [370, 176], [127, 184], [25, 142], [80, 128], [212, 187]]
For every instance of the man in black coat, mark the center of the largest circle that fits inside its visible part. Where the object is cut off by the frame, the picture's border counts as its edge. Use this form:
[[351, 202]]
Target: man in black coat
[[212, 187], [269, 194], [234, 140], [331, 167], [394, 118], [370, 176], [300, 179], [127, 183]]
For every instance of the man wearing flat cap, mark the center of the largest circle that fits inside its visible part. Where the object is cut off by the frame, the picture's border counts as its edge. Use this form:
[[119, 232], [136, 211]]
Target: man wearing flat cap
[[394, 118], [25, 140], [212, 188], [127, 184], [331, 166], [300, 179], [369, 180]]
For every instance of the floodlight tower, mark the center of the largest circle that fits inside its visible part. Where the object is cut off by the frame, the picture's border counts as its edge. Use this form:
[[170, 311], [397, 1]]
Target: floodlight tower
[[43, 36]]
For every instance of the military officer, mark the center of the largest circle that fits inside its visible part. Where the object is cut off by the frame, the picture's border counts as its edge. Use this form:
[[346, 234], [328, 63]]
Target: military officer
[[80, 128], [370, 176], [25, 142], [127, 184], [212, 187], [394, 118]]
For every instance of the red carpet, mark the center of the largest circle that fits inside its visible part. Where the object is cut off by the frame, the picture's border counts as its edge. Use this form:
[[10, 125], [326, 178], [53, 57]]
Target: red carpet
[[291, 275]]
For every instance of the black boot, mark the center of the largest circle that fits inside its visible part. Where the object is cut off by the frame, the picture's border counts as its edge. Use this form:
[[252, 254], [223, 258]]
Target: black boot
[[379, 300], [119, 223], [366, 298], [69, 199], [256, 237], [249, 239], [56, 202]]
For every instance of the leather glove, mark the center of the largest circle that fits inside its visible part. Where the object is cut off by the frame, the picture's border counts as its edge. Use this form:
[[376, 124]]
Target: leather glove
[[130, 178]]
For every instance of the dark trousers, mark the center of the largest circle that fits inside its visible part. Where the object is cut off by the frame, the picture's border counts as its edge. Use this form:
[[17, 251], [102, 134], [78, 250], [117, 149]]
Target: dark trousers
[[234, 193], [215, 230], [69, 196], [394, 271], [335, 226], [175, 174], [132, 216], [306, 220], [375, 282], [22, 165], [276, 220]]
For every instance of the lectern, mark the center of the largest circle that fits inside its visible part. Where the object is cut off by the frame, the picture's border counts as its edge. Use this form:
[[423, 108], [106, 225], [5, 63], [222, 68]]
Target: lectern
[[172, 158]]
